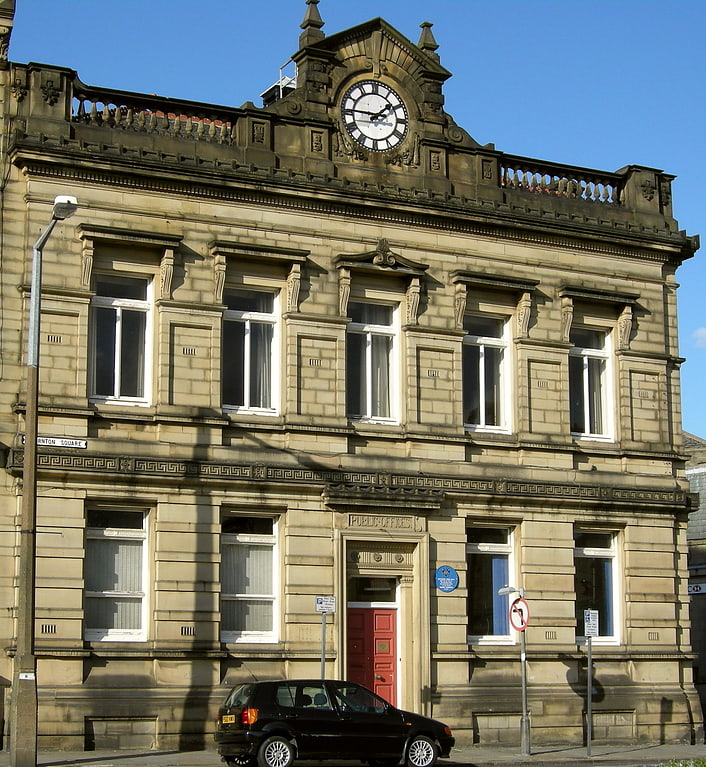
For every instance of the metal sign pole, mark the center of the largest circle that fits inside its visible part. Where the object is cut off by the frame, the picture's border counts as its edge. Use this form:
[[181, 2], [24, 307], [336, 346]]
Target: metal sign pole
[[590, 630], [589, 699], [323, 645], [524, 721], [324, 605], [519, 618]]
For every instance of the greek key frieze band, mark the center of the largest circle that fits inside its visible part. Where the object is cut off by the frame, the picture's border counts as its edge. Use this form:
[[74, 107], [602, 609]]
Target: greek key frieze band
[[337, 484]]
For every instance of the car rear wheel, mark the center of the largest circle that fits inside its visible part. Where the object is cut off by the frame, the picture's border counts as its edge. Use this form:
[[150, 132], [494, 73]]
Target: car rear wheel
[[422, 752], [275, 751]]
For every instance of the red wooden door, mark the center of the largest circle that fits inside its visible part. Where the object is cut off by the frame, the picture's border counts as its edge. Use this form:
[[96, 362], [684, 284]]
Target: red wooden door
[[372, 650]]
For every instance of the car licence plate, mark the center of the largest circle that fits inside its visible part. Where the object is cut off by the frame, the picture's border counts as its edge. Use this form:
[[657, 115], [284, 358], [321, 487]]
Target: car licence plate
[[228, 719]]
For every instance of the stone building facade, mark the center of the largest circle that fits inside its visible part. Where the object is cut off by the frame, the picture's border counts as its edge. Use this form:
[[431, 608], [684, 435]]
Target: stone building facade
[[695, 448], [335, 347]]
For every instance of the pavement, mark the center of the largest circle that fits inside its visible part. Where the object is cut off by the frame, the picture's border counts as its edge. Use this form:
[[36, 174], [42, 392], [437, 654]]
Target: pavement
[[464, 756]]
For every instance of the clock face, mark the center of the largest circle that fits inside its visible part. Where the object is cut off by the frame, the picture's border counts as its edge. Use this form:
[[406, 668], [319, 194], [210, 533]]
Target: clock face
[[374, 115]]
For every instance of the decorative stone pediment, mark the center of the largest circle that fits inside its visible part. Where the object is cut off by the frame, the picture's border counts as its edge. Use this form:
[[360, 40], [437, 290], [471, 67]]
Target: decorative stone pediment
[[382, 259], [375, 43], [384, 262]]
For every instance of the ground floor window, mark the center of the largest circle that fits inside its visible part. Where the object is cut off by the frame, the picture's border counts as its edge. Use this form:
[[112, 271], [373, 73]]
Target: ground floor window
[[488, 552], [595, 580], [248, 579], [114, 577]]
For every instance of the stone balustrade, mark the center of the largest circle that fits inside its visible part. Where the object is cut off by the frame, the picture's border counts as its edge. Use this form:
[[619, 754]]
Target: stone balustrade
[[297, 140], [166, 117], [532, 176]]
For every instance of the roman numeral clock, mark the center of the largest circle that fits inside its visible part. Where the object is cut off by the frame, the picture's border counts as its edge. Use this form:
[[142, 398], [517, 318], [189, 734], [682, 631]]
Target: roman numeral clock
[[374, 115]]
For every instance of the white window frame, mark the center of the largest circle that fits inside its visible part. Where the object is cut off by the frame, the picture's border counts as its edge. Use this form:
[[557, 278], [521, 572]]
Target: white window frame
[[119, 305], [244, 540], [264, 318], [610, 554], [606, 389], [132, 534], [369, 330], [508, 549], [504, 375]]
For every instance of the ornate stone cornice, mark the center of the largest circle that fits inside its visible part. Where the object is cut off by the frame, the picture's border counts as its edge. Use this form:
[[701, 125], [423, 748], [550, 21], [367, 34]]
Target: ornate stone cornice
[[352, 488], [228, 181]]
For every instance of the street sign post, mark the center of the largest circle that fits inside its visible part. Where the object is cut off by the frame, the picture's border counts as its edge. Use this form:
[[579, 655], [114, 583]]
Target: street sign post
[[590, 630], [519, 619], [324, 605]]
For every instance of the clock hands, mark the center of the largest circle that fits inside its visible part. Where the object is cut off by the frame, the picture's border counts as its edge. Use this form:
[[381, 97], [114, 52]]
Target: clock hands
[[379, 115], [374, 116]]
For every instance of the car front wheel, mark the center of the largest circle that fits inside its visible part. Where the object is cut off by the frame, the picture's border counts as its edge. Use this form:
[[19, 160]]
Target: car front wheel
[[275, 751], [422, 752]]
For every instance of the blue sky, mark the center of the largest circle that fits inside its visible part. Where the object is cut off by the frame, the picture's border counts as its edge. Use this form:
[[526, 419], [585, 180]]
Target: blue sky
[[601, 83]]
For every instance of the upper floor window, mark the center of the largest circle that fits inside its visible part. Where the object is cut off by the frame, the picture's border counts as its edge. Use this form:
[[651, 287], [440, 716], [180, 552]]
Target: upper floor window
[[114, 575], [120, 314], [489, 562], [249, 363], [484, 373], [588, 382], [595, 580], [370, 367], [249, 579]]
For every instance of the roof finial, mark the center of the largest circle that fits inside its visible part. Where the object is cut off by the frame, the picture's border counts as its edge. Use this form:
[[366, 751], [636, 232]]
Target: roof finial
[[311, 25], [427, 43]]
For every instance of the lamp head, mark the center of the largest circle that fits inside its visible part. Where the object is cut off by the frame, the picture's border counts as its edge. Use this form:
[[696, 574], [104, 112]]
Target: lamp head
[[64, 207], [505, 590]]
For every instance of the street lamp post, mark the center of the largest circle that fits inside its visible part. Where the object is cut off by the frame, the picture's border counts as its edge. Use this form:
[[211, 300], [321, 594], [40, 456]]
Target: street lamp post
[[23, 706], [525, 733]]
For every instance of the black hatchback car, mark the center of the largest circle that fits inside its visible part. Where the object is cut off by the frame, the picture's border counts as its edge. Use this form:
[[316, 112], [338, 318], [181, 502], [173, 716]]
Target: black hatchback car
[[273, 723]]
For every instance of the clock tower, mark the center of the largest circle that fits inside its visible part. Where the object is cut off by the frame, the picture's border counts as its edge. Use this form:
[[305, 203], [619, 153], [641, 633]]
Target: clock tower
[[373, 102]]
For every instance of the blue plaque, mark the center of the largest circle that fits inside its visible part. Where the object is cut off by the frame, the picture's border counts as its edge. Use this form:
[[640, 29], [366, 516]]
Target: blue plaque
[[446, 578]]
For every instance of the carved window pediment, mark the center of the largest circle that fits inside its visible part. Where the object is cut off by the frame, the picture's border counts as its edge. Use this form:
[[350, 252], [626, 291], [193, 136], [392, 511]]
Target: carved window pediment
[[486, 281], [382, 260], [622, 303], [290, 259], [520, 287], [251, 252], [163, 245], [602, 296]]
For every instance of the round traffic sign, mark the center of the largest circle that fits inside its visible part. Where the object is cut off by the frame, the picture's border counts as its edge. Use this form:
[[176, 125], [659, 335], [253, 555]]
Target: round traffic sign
[[519, 614]]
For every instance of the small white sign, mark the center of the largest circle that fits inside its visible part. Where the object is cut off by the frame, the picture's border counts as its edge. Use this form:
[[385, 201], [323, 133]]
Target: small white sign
[[62, 442], [27, 676], [82, 444], [325, 604], [590, 623]]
